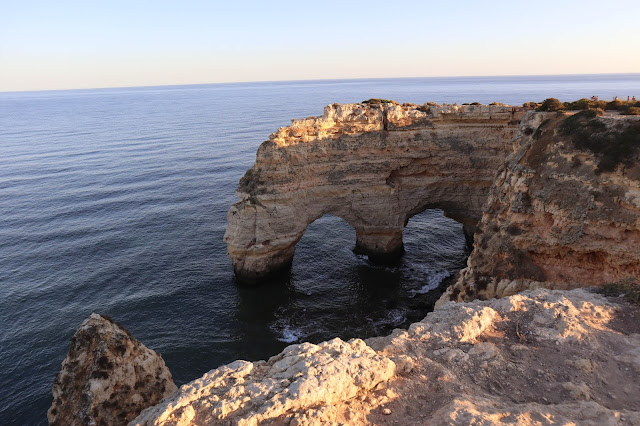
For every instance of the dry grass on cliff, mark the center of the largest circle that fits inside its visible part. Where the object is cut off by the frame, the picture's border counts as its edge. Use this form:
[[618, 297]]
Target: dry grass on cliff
[[631, 107]]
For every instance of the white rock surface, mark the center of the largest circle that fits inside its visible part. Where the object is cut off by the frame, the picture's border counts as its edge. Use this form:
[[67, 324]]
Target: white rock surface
[[299, 378]]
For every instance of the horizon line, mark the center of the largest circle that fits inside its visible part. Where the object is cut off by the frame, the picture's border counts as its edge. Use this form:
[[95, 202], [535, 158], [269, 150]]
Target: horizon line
[[314, 80]]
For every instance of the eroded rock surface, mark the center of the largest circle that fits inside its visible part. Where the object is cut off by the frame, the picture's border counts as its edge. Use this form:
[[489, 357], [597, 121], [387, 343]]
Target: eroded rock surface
[[300, 378], [107, 378], [552, 219], [539, 357], [375, 166]]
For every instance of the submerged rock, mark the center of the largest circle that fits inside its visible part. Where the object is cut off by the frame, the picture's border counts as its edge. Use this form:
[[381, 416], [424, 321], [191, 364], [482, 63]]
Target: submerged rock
[[108, 377]]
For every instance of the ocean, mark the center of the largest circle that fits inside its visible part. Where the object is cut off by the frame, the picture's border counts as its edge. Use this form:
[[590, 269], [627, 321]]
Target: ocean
[[114, 201]]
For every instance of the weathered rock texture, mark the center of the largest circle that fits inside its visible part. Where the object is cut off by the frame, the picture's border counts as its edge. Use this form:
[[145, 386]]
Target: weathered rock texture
[[299, 378], [375, 166], [107, 378], [551, 220], [540, 357]]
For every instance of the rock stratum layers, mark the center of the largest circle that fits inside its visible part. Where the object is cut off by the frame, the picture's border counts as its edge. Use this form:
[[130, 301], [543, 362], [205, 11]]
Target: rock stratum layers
[[374, 166], [553, 219], [107, 378], [543, 213]]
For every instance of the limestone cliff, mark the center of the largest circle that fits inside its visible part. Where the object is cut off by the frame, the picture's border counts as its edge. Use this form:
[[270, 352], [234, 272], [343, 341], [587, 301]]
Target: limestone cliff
[[554, 212], [541, 357], [559, 215], [373, 165], [108, 377]]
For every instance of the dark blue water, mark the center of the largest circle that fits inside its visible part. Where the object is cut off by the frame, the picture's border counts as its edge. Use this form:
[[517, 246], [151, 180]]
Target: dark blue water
[[114, 201]]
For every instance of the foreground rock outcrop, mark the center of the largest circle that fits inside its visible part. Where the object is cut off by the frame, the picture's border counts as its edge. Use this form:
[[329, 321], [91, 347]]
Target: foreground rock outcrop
[[373, 165], [108, 377], [299, 379], [558, 215], [538, 357]]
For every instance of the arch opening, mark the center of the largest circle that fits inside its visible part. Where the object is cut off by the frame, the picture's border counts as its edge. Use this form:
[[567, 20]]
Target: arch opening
[[327, 239], [437, 244], [332, 290]]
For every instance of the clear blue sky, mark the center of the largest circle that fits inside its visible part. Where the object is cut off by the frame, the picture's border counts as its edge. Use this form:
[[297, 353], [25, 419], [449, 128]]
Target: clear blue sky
[[85, 44]]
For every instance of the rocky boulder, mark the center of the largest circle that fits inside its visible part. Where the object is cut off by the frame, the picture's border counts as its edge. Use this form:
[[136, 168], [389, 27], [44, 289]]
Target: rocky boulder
[[295, 384], [108, 377]]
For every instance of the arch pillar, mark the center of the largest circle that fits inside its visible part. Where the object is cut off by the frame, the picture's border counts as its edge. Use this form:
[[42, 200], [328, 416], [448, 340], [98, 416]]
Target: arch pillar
[[382, 245], [260, 242]]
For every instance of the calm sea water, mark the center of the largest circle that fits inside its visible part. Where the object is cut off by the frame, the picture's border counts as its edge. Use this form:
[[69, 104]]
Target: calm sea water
[[114, 201]]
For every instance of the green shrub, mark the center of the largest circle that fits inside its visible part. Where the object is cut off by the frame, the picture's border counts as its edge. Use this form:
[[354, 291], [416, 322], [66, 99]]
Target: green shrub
[[628, 288], [531, 105], [615, 105], [551, 104], [583, 103], [380, 101]]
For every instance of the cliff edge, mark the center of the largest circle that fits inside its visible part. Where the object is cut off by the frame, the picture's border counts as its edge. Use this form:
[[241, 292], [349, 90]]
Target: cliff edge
[[557, 197], [539, 357]]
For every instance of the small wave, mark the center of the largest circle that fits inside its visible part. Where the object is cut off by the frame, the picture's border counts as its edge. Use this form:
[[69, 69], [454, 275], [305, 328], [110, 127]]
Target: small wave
[[290, 336], [433, 281], [396, 316], [393, 317], [285, 332]]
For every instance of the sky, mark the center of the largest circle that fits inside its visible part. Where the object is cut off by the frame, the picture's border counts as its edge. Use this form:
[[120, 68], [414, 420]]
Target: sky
[[62, 44]]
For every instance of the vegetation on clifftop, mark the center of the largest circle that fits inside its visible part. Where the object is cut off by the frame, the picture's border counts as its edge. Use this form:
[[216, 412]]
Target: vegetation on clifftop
[[374, 101], [553, 104], [612, 146]]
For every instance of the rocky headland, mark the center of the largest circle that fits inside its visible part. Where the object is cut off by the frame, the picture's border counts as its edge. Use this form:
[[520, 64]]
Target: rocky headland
[[551, 200]]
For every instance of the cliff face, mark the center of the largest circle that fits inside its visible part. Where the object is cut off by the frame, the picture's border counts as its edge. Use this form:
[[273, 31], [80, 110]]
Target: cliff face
[[108, 377], [553, 218], [374, 166], [540, 357]]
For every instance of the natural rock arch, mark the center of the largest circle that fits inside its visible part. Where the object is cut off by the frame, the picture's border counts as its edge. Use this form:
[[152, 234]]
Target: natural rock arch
[[375, 166]]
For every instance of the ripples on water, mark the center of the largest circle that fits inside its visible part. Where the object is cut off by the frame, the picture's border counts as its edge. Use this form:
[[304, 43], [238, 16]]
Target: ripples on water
[[114, 201]]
